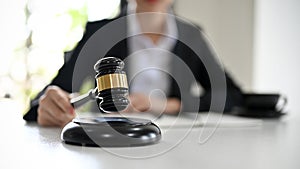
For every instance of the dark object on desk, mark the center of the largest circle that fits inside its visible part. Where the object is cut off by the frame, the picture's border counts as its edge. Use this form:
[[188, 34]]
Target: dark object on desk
[[111, 96], [111, 132], [262, 106]]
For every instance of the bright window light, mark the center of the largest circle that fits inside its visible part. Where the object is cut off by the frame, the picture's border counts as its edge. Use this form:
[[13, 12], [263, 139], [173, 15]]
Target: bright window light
[[34, 36]]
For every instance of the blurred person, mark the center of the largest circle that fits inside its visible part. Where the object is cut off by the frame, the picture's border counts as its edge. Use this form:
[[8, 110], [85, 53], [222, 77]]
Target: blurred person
[[146, 50]]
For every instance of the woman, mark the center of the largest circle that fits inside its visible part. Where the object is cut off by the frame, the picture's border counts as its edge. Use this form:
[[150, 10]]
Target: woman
[[155, 32]]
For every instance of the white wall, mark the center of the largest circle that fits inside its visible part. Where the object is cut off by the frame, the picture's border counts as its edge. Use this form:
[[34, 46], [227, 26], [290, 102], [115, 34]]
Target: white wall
[[277, 49], [258, 41], [229, 24]]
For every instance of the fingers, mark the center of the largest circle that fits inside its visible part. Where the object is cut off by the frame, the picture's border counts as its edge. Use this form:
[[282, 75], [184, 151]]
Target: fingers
[[60, 99], [46, 119], [138, 103], [55, 108], [142, 103]]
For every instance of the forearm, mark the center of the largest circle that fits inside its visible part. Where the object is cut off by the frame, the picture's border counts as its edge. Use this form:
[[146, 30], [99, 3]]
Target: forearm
[[173, 106], [169, 106]]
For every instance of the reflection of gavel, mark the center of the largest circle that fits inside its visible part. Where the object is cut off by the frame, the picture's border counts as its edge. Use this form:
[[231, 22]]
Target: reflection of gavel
[[112, 87]]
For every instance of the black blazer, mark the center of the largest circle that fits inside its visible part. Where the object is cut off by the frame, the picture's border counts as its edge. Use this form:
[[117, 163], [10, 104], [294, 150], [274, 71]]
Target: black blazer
[[191, 49]]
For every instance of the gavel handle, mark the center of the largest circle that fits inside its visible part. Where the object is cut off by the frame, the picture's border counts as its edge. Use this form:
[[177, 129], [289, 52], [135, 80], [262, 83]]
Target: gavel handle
[[82, 99]]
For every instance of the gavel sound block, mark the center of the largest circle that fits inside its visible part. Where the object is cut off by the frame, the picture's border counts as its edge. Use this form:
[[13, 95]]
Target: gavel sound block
[[111, 96]]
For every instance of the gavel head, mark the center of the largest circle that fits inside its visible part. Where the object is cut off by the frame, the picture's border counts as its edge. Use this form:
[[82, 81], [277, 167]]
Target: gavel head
[[111, 84]]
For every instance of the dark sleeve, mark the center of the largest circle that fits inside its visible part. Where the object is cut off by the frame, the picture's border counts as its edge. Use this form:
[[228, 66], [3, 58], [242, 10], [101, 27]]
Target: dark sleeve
[[232, 91]]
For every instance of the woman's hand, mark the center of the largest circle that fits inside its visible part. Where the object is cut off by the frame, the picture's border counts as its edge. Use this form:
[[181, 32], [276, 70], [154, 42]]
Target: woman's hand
[[55, 108], [142, 103]]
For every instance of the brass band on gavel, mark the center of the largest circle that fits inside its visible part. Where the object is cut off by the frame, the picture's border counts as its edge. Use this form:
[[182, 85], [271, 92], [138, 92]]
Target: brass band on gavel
[[108, 81]]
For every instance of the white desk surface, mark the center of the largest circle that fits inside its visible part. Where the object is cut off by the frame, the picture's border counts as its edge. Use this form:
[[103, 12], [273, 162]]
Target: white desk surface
[[268, 144]]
